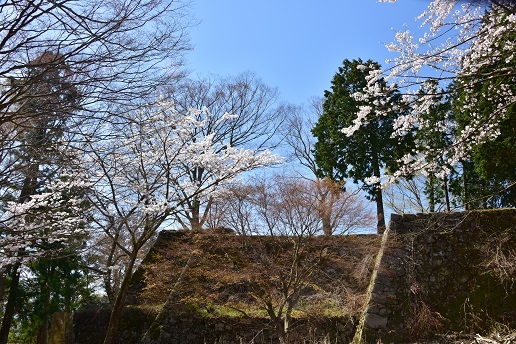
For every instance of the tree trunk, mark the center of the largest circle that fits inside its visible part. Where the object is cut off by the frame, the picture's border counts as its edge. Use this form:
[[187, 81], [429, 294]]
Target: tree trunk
[[380, 214], [286, 328], [4, 272], [195, 220], [324, 206], [10, 307], [43, 330], [431, 195], [118, 306], [282, 334], [446, 194], [484, 199], [465, 189], [326, 225], [109, 279], [61, 330]]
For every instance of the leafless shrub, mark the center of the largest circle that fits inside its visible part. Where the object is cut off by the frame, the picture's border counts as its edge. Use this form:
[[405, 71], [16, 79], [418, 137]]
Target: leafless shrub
[[363, 271], [423, 322], [500, 258]]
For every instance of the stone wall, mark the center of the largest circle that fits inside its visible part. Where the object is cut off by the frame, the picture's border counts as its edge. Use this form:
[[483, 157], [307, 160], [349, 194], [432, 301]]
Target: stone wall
[[440, 273], [434, 273], [136, 328]]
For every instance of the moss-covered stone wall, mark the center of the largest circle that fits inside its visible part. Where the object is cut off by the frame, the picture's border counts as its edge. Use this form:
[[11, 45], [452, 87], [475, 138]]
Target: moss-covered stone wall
[[441, 273], [435, 273]]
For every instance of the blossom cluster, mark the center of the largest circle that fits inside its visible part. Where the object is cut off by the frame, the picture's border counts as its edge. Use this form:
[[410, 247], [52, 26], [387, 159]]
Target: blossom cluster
[[46, 223], [144, 172], [465, 43]]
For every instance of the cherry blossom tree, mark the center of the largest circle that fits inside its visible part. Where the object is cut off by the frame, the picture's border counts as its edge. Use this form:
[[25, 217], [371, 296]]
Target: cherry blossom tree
[[141, 181], [55, 215], [251, 118], [470, 43], [47, 226], [40, 192]]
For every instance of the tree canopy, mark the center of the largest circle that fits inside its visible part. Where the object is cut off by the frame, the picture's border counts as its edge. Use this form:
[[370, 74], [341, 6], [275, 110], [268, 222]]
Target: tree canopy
[[372, 148], [467, 42]]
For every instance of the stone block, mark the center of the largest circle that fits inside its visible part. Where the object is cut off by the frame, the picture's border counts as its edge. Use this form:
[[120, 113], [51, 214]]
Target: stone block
[[375, 321]]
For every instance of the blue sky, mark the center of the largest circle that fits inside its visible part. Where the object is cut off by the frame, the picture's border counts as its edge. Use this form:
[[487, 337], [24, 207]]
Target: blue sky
[[296, 46]]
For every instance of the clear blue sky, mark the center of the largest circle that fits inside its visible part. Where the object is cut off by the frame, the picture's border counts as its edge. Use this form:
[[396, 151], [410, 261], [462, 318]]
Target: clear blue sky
[[296, 46]]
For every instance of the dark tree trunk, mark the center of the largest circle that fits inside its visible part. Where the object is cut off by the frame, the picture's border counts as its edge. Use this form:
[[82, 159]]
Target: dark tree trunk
[[4, 272], [465, 189], [431, 194], [380, 214], [118, 306], [195, 220], [10, 307], [446, 194], [109, 280], [43, 330]]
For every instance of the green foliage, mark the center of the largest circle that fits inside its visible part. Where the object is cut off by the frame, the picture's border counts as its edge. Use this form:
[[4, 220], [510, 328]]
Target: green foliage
[[490, 171], [54, 282], [371, 148], [435, 137]]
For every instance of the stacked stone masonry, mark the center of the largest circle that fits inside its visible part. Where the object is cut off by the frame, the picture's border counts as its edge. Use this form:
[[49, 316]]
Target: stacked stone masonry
[[438, 274], [435, 273]]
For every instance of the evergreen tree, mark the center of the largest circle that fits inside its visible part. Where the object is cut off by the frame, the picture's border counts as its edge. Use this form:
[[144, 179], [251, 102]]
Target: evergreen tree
[[488, 177], [371, 148], [58, 285], [433, 138], [40, 157]]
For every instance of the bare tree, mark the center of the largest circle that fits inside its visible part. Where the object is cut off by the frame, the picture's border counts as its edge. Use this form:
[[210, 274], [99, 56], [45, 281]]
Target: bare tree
[[253, 118], [298, 135], [289, 205], [289, 210], [277, 204], [116, 51], [232, 209], [292, 266], [407, 196], [339, 211]]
